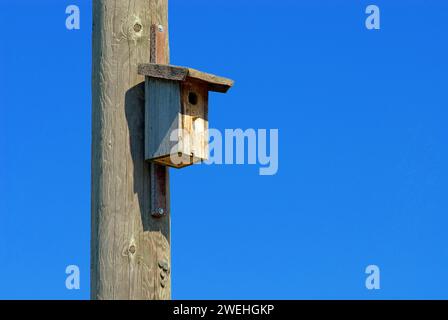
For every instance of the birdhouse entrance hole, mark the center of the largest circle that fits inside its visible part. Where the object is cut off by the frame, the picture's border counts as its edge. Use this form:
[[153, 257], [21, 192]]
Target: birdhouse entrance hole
[[193, 98]]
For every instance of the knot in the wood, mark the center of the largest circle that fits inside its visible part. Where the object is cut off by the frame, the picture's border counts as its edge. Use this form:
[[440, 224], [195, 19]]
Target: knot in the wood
[[138, 27], [132, 249], [132, 28]]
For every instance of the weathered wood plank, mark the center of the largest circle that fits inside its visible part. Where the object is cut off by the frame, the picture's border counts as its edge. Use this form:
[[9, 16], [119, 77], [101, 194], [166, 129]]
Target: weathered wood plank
[[194, 120], [128, 246], [163, 71], [176, 73], [215, 83], [162, 116]]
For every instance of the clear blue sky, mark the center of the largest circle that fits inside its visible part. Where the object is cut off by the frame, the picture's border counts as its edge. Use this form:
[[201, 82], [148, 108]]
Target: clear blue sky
[[363, 161]]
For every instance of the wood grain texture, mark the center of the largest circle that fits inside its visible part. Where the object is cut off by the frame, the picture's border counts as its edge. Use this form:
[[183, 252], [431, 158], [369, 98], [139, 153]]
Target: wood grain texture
[[175, 73], [162, 116], [161, 71], [130, 251], [195, 119]]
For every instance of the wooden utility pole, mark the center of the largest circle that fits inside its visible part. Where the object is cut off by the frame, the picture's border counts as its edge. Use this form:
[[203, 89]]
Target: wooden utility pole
[[130, 247]]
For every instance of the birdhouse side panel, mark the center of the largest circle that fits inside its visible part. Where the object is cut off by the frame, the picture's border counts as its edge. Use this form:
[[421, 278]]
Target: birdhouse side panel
[[162, 117]]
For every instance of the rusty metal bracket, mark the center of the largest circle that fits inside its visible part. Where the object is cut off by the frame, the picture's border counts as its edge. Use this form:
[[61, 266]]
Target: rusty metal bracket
[[159, 190]]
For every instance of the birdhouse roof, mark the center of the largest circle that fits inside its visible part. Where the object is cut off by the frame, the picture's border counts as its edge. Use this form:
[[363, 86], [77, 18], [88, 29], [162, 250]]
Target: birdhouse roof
[[175, 73]]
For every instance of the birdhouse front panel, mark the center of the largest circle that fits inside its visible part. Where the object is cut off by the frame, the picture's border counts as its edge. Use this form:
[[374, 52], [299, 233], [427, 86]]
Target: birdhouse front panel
[[176, 113], [194, 120]]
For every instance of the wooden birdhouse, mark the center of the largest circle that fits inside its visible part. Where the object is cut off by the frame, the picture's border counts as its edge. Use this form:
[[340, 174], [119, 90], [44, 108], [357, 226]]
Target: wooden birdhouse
[[176, 113]]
